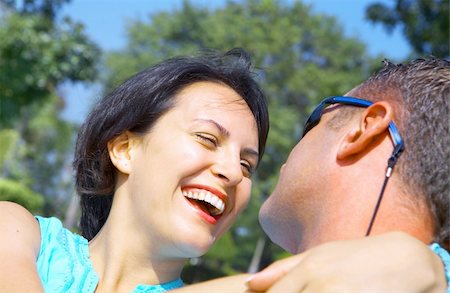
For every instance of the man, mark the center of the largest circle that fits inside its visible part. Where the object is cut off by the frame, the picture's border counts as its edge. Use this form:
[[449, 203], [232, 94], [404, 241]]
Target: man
[[367, 165], [331, 187]]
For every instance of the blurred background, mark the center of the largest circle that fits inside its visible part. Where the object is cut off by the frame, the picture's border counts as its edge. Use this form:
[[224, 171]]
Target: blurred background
[[58, 57]]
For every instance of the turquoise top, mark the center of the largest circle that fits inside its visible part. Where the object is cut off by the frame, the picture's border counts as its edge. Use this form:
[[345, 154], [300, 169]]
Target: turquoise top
[[445, 257], [64, 266]]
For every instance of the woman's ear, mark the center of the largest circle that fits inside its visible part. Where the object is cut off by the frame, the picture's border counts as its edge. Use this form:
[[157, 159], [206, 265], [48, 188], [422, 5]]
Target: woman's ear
[[374, 121], [119, 149]]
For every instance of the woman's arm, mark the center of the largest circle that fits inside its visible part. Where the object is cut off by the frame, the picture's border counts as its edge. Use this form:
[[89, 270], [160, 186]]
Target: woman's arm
[[233, 284], [392, 262], [19, 248]]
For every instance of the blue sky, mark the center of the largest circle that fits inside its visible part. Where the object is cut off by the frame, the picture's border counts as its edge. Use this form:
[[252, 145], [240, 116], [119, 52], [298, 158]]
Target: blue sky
[[105, 22]]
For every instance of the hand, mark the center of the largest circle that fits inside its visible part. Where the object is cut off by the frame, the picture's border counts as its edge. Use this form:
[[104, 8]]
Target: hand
[[393, 262]]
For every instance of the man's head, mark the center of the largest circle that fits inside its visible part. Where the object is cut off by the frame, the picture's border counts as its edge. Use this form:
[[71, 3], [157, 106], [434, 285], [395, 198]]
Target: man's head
[[331, 181]]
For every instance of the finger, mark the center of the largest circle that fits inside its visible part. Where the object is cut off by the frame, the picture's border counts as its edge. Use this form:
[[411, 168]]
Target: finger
[[266, 278], [293, 282]]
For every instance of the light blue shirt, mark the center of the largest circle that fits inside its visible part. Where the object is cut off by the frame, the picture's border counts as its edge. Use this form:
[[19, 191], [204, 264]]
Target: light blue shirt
[[64, 265], [445, 257]]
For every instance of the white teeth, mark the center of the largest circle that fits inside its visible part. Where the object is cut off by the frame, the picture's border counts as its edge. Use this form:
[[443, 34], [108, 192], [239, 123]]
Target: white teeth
[[202, 196], [208, 197]]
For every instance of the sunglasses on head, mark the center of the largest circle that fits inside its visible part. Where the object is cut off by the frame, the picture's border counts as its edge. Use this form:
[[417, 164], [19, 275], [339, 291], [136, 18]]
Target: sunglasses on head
[[397, 140]]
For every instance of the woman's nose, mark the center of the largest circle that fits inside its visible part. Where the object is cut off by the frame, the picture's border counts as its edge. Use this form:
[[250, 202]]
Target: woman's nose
[[229, 170]]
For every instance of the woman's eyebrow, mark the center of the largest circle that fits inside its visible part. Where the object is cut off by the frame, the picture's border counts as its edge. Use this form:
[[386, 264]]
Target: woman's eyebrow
[[221, 129], [251, 152]]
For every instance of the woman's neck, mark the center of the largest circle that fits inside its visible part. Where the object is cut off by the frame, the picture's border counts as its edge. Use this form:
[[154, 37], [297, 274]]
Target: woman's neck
[[124, 257]]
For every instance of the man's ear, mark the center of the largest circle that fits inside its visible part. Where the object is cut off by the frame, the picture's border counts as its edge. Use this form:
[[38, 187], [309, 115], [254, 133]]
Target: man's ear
[[374, 121], [119, 149]]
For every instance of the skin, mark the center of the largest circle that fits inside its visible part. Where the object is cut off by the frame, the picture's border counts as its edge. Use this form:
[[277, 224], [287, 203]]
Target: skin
[[317, 210], [320, 209], [337, 266], [362, 265], [18, 249], [207, 141]]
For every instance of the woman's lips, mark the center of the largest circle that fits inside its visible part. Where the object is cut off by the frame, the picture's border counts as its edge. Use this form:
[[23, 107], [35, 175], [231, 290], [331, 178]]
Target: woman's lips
[[208, 202], [203, 212]]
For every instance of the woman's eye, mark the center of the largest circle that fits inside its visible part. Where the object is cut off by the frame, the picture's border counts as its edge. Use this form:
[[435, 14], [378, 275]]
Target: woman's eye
[[208, 139], [247, 169]]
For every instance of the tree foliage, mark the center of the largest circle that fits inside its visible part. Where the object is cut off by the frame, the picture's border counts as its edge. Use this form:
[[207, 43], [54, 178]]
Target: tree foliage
[[299, 56], [36, 56], [425, 23], [45, 8], [11, 190], [9, 138], [38, 52]]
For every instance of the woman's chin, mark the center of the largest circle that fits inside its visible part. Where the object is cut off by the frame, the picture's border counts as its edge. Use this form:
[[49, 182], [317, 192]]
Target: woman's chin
[[196, 248]]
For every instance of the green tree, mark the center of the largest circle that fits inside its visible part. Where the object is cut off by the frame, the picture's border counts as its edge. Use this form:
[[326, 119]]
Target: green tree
[[11, 190], [300, 57], [15, 190], [38, 52], [425, 23], [36, 55], [45, 8]]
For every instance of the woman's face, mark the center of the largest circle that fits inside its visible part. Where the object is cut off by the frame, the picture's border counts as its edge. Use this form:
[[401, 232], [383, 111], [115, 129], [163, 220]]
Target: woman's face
[[190, 175]]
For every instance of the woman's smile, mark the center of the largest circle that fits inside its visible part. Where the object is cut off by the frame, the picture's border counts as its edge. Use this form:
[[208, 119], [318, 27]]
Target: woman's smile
[[207, 201]]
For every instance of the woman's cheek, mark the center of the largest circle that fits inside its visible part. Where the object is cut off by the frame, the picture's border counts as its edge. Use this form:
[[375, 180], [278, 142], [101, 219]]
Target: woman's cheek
[[243, 196]]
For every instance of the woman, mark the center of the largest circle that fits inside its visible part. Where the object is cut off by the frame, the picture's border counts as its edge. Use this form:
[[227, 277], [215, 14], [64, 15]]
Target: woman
[[163, 167]]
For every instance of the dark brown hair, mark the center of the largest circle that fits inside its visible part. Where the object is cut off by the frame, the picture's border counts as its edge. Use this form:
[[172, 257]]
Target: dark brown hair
[[136, 106]]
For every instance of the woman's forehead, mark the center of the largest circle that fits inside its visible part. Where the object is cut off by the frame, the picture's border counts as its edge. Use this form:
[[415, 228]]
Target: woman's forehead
[[212, 96]]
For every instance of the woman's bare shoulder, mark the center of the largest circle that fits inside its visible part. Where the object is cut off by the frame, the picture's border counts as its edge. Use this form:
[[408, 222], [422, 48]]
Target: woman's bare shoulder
[[19, 249], [18, 227]]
